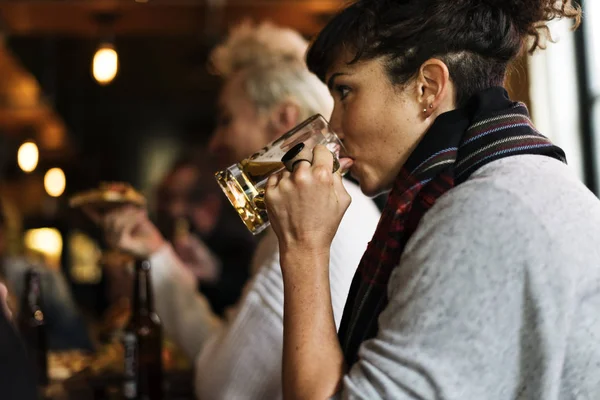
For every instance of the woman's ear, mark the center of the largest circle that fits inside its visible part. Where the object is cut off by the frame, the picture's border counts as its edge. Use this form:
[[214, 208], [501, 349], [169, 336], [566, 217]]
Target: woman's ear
[[436, 91], [284, 117]]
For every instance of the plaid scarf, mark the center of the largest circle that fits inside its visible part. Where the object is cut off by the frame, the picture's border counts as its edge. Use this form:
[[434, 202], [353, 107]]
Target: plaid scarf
[[459, 142]]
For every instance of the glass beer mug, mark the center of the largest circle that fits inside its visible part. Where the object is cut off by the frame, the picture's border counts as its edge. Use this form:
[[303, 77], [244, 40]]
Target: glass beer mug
[[244, 183]]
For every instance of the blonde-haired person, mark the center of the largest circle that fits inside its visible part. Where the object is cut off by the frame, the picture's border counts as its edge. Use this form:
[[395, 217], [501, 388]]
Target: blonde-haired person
[[267, 90]]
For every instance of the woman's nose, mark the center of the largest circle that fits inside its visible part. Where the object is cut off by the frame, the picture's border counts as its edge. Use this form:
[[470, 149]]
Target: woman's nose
[[335, 122]]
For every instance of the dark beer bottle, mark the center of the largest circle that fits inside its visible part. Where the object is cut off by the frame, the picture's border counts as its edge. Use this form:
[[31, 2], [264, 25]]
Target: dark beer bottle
[[143, 341], [32, 326]]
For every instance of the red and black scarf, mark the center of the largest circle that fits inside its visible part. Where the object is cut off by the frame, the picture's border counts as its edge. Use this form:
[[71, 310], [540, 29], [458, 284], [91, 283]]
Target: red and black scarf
[[458, 143]]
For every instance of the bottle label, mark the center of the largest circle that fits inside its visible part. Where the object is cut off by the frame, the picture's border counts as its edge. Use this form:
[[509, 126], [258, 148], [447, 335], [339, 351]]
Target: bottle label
[[130, 383]]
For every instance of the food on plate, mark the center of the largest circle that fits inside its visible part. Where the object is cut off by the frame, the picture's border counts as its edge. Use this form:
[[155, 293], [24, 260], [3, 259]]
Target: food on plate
[[108, 195]]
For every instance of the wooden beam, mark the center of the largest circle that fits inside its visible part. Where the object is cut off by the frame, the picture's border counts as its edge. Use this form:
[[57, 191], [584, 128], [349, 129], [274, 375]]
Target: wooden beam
[[22, 108], [164, 17], [16, 120], [18, 88]]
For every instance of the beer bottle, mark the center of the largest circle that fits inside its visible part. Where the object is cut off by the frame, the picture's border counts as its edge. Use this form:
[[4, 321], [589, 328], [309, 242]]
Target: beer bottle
[[32, 326], [143, 341]]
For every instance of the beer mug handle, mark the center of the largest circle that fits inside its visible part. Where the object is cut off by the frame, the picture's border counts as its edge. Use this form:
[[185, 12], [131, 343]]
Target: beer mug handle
[[299, 153]]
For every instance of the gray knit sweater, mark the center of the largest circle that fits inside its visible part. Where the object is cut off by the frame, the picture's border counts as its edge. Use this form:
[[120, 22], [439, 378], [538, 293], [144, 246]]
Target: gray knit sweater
[[497, 296]]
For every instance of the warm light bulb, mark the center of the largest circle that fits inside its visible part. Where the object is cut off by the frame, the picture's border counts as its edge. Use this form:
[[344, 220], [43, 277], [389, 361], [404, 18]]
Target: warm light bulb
[[55, 182], [45, 240], [28, 156], [105, 64]]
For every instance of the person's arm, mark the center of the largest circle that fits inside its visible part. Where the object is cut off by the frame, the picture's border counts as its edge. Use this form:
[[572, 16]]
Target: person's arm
[[313, 363], [243, 358], [306, 208], [350, 242], [185, 314], [231, 254]]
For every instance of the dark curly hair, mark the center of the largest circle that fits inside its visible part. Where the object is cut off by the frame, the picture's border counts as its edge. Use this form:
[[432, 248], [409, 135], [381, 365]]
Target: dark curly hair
[[476, 39]]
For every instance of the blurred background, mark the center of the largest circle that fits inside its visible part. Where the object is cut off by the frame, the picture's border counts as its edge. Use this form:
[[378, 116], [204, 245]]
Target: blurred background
[[106, 90], [117, 90]]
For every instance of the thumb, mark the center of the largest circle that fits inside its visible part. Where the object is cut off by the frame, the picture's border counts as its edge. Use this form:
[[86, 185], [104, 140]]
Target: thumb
[[340, 190], [131, 243], [345, 164]]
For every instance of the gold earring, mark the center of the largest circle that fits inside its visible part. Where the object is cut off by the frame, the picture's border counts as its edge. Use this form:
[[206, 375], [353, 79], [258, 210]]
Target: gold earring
[[424, 110]]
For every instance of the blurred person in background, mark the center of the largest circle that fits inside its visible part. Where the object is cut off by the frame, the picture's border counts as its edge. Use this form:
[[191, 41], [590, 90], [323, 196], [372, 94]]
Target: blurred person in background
[[204, 230], [267, 90], [65, 325], [17, 381]]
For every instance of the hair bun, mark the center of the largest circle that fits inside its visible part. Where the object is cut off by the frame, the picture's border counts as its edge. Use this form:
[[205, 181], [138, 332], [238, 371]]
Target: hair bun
[[249, 44], [530, 17]]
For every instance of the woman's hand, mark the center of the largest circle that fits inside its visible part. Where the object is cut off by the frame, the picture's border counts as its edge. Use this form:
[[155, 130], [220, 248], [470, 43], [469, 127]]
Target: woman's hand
[[306, 206]]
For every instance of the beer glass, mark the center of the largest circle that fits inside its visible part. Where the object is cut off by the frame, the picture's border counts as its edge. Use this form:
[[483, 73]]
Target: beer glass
[[244, 183]]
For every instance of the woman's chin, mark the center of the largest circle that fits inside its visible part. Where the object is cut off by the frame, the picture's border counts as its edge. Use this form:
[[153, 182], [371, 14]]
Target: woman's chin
[[368, 188]]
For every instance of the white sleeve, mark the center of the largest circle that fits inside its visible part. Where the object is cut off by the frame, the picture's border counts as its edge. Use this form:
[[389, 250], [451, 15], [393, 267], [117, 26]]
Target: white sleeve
[[243, 359], [237, 358], [185, 314]]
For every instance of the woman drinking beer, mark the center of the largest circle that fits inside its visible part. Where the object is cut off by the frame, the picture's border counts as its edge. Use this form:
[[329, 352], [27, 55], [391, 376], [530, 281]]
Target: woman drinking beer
[[482, 280]]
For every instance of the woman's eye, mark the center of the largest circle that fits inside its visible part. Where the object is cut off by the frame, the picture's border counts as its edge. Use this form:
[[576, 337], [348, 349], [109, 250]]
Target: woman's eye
[[342, 91]]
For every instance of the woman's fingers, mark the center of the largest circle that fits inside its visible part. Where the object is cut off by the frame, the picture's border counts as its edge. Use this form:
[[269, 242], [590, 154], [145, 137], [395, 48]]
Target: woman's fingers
[[322, 158]]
